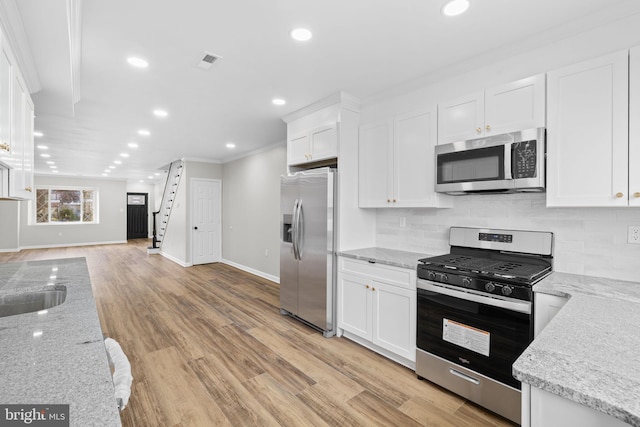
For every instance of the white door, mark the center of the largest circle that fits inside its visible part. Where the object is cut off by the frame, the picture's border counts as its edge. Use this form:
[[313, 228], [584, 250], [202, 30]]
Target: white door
[[205, 220], [394, 319], [375, 151], [461, 118], [354, 305]]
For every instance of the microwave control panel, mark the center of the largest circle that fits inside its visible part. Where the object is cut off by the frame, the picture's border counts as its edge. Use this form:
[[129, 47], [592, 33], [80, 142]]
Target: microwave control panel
[[524, 158]]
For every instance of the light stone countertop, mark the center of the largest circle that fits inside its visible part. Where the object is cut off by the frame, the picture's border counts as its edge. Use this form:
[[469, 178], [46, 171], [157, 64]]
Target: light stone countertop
[[67, 362], [590, 352], [397, 258]]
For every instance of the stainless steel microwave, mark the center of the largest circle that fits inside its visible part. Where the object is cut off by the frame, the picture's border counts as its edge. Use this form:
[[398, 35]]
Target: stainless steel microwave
[[505, 163]]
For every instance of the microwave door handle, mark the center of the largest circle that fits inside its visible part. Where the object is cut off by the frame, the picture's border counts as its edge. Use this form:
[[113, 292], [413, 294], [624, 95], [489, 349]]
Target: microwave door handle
[[508, 150]]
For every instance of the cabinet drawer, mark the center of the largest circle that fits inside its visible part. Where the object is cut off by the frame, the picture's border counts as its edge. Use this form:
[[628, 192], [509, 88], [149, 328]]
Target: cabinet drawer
[[398, 276]]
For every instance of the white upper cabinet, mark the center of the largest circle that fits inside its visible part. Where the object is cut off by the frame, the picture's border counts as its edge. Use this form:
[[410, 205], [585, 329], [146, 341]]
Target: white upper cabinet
[[314, 145], [588, 133], [16, 128], [634, 127], [396, 161], [511, 107]]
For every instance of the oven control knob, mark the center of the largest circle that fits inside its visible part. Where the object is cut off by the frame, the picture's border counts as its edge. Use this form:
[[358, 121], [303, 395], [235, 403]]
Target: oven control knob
[[506, 291], [444, 278], [431, 275], [489, 287], [466, 282]]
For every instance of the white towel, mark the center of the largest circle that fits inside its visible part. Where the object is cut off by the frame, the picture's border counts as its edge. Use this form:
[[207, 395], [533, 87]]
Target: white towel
[[122, 372]]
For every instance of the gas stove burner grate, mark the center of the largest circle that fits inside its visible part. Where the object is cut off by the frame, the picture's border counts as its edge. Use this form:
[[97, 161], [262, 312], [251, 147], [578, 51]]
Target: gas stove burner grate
[[487, 266]]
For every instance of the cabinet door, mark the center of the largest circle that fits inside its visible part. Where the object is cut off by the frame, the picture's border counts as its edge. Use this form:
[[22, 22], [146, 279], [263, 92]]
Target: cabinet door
[[5, 109], [17, 175], [394, 319], [298, 149], [515, 106], [414, 159], [354, 305], [324, 143], [28, 151], [634, 127], [587, 134], [375, 154], [461, 118]]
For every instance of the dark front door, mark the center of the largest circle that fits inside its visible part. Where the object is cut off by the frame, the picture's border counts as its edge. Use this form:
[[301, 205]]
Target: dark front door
[[137, 216]]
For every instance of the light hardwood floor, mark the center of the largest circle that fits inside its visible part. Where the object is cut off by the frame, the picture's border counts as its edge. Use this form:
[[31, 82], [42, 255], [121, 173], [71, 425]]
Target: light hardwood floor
[[209, 347]]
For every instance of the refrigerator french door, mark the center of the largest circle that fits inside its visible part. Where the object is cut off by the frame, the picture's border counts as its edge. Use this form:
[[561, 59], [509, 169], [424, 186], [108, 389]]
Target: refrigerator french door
[[307, 273]]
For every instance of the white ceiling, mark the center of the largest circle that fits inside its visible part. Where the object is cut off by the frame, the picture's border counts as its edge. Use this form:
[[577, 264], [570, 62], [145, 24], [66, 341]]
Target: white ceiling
[[362, 47]]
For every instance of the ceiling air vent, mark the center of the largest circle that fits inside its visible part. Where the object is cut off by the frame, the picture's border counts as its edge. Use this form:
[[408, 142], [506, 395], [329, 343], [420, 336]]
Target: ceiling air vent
[[207, 60]]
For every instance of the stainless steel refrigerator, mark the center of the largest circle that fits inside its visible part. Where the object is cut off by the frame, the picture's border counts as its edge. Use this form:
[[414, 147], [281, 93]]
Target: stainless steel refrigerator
[[307, 248]]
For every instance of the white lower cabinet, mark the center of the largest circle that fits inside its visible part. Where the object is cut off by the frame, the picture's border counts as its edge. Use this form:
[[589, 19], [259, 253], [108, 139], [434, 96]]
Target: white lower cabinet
[[377, 308], [546, 308], [551, 410]]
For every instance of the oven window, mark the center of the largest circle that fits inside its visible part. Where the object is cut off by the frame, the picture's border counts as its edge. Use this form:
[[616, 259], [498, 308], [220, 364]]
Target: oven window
[[482, 164], [480, 337]]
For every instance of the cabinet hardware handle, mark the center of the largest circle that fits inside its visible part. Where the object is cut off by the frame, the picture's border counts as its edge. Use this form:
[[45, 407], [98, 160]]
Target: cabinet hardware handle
[[488, 128], [4, 147], [373, 289], [478, 130], [636, 194], [28, 189], [367, 286], [394, 200], [619, 195], [388, 200]]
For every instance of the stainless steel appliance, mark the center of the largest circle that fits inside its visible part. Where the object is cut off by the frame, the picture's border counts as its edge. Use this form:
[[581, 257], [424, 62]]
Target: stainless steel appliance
[[506, 163], [307, 251], [475, 313]]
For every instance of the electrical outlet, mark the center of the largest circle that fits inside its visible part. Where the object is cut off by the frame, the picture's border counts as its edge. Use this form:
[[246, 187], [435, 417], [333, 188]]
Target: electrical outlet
[[634, 235]]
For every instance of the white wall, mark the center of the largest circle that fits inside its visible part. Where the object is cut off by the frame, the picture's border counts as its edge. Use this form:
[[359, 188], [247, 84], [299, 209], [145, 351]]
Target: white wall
[[112, 214], [9, 225], [251, 211], [589, 241]]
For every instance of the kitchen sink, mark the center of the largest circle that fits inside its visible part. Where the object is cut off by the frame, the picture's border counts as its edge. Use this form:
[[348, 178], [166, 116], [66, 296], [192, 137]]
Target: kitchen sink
[[29, 302]]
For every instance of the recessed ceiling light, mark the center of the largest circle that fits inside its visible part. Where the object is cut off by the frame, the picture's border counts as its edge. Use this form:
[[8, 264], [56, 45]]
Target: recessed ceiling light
[[107, 170], [117, 162], [55, 171], [124, 154], [50, 162], [43, 147], [45, 155], [160, 113], [144, 132], [455, 7], [133, 145], [38, 134], [150, 177], [278, 101], [112, 167], [301, 34], [231, 145], [137, 62], [53, 167], [157, 174], [105, 174]]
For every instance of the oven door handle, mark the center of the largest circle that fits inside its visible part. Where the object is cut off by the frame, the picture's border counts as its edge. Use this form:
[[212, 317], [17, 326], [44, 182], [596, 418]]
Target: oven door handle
[[519, 306]]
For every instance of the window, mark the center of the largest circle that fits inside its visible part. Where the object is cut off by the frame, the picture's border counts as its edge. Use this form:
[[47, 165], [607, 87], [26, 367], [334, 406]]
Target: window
[[66, 205]]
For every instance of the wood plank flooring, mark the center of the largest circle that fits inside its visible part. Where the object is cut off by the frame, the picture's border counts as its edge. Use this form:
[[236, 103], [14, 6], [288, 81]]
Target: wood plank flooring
[[208, 347]]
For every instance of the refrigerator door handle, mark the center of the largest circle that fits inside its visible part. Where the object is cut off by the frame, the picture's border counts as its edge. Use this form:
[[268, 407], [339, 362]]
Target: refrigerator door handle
[[294, 227], [300, 227]]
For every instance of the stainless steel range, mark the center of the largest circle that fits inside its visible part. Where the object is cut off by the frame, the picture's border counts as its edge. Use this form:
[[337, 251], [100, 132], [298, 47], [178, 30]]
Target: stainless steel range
[[475, 313]]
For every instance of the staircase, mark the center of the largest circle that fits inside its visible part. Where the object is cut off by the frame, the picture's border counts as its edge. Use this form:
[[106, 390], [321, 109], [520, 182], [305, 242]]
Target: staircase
[[161, 217]]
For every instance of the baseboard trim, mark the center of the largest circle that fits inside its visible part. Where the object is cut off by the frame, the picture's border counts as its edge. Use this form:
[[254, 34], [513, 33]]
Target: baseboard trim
[[176, 260], [9, 250], [69, 245], [251, 270]]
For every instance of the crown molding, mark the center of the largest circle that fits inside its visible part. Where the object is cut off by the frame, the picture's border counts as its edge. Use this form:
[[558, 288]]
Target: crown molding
[[13, 30], [347, 101]]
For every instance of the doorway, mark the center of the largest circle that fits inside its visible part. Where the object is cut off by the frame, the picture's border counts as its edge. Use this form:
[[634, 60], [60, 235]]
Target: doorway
[[137, 216], [206, 224]]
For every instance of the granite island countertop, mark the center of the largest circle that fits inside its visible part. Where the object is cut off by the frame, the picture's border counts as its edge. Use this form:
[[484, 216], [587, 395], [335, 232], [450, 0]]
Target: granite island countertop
[[57, 357], [588, 353], [395, 257]]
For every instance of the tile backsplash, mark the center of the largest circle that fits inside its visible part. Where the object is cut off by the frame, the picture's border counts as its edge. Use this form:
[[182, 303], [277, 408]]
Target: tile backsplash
[[589, 241]]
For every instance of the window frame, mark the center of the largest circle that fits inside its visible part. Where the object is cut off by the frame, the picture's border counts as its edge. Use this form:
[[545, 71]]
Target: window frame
[[34, 215]]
